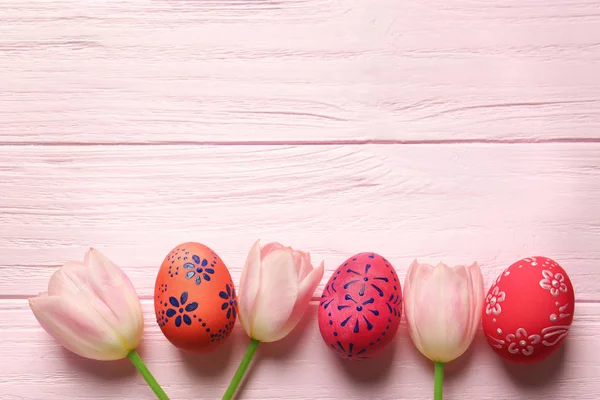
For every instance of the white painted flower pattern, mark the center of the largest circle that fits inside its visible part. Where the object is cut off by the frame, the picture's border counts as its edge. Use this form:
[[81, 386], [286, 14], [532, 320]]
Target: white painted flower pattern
[[493, 301], [553, 282], [521, 342]]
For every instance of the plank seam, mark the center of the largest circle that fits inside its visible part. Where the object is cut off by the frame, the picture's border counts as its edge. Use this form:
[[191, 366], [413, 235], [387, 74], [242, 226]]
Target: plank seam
[[357, 142]]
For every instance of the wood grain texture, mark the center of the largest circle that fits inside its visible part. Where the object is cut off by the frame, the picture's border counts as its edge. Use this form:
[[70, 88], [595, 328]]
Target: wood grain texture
[[451, 130], [490, 203], [298, 367], [295, 71]]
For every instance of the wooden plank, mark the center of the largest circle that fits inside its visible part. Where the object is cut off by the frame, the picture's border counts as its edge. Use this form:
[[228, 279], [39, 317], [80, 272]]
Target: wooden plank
[[297, 71], [491, 203], [298, 367]]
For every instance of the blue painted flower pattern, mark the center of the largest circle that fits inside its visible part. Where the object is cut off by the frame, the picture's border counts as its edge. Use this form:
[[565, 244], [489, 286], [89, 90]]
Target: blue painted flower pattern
[[360, 307], [180, 310], [349, 353], [364, 279], [198, 269], [394, 304], [230, 303]]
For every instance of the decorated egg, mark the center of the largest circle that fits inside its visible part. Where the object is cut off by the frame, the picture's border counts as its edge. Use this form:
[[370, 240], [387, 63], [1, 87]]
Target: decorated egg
[[194, 298], [528, 311], [361, 307]]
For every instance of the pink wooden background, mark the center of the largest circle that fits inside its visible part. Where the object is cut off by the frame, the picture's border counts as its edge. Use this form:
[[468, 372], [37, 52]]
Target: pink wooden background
[[452, 130]]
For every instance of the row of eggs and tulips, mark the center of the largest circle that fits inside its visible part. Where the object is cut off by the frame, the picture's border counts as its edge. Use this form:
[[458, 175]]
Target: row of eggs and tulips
[[526, 313]]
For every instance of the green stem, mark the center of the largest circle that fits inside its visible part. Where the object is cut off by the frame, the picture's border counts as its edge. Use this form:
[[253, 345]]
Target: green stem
[[241, 371], [438, 380], [139, 364]]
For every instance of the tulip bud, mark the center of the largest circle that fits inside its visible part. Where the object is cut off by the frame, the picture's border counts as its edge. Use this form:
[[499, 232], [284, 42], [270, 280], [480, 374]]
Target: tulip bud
[[276, 286], [443, 310], [91, 308], [275, 289]]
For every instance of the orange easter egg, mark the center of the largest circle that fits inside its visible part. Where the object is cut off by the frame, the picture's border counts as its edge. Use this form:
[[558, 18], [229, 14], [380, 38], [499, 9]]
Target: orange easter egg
[[194, 298]]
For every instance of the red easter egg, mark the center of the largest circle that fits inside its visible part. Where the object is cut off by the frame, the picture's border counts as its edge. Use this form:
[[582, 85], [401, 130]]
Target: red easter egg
[[528, 311], [361, 307], [194, 298]]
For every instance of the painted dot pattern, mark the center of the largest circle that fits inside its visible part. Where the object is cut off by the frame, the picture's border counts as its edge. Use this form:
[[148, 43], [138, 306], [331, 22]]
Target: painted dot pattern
[[194, 299]]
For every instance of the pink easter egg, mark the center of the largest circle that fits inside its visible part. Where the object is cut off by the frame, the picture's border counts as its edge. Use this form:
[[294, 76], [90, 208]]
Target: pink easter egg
[[361, 307]]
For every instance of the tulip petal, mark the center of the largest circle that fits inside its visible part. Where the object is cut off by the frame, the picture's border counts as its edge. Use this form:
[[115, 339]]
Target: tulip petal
[[269, 247], [68, 279], [473, 280], [464, 274], [449, 315], [113, 296], [74, 327], [297, 263], [277, 296], [306, 291], [305, 266], [477, 295], [414, 272], [110, 298], [419, 272], [249, 287]]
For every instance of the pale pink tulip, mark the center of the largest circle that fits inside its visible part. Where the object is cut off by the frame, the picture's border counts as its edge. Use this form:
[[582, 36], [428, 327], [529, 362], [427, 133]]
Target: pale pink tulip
[[443, 308], [276, 286], [275, 289], [91, 308]]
